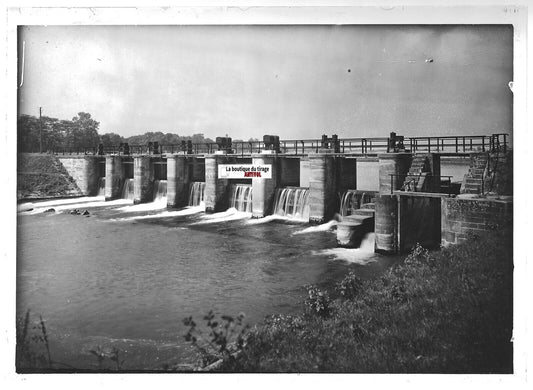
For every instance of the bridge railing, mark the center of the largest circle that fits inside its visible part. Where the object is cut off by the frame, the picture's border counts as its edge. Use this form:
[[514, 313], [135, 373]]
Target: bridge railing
[[432, 184], [371, 145], [458, 144]]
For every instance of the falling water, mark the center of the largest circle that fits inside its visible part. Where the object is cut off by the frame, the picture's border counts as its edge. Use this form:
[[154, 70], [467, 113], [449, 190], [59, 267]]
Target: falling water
[[352, 200], [292, 202], [160, 191], [101, 187], [241, 197], [196, 193], [127, 189]]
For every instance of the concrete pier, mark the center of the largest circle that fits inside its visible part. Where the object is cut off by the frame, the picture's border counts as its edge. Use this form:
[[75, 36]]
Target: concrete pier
[[216, 190], [323, 199], [143, 179], [114, 177], [397, 164], [178, 180], [386, 224], [264, 190]]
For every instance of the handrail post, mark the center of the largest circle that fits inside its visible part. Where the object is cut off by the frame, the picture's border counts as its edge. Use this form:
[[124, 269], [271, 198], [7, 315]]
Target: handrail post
[[505, 143], [483, 142], [391, 184], [429, 144], [456, 145]]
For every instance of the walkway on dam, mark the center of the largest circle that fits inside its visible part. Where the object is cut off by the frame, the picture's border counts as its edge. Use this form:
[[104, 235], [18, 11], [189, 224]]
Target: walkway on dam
[[444, 145]]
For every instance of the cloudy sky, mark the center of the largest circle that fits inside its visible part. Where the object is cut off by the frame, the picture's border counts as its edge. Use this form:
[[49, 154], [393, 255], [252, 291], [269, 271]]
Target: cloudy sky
[[293, 81]]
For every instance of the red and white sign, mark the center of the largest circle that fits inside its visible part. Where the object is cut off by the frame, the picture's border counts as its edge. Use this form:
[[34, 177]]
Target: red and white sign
[[244, 171]]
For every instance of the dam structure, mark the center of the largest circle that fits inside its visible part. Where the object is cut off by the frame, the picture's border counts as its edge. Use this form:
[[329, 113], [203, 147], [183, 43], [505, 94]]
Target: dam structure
[[405, 190]]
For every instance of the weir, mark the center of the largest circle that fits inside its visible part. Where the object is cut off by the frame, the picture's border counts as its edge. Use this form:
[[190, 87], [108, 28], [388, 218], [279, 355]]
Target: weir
[[196, 193], [127, 189], [354, 199], [309, 182], [292, 202], [160, 191], [101, 186], [241, 197]]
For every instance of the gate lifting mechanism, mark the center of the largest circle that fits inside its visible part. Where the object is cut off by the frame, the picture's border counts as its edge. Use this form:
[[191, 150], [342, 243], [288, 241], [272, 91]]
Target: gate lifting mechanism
[[331, 143], [395, 143]]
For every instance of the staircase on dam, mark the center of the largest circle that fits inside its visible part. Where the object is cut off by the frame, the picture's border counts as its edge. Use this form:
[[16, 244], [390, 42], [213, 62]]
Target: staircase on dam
[[473, 181], [417, 177], [354, 227]]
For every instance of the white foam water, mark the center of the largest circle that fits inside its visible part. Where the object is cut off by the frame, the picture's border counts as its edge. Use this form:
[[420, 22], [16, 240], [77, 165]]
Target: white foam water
[[230, 214], [151, 206], [319, 228], [362, 256], [190, 210]]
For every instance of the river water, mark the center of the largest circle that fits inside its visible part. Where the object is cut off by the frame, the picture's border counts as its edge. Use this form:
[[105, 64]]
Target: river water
[[127, 275]]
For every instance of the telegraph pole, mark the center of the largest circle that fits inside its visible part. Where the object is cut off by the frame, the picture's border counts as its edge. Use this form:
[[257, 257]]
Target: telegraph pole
[[40, 131]]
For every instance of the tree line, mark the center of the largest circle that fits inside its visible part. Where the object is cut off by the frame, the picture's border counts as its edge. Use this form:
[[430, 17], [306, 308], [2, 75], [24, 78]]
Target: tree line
[[81, 132]]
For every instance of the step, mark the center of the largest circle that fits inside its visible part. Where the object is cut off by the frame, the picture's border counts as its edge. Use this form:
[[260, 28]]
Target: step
[[369, 205], [364, 212], [473, 180]]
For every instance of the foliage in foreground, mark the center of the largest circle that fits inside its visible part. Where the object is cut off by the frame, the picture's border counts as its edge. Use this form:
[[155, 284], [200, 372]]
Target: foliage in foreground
[[441, 312]]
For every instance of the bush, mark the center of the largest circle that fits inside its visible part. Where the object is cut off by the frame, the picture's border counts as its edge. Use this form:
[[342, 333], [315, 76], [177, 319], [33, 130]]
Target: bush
[[447, 311], [224, 341], [317, 302], [350, 286]]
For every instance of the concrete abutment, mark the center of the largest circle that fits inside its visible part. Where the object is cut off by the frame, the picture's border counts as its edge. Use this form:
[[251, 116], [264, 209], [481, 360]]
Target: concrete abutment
[[216, 190], [264, 190], [115, 175], [323, 199], [143, 179], [179, 174]]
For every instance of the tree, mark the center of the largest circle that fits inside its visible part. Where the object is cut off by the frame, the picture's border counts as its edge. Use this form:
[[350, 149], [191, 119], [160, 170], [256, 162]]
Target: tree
[[110, 139], [83, 132]]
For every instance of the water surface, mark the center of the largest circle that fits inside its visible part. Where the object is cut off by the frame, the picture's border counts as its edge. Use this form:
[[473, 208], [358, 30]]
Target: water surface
[[126, 275]]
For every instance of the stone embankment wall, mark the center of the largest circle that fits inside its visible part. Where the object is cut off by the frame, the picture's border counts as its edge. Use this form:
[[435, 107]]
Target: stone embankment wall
[[461, 216], [84, 171]]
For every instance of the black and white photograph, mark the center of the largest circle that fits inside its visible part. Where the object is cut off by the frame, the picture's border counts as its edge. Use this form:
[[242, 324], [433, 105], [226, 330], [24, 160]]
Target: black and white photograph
[[266, 190]]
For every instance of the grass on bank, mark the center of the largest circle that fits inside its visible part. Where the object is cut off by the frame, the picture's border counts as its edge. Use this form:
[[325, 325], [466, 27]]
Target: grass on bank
[[43, 176], [448, 311]]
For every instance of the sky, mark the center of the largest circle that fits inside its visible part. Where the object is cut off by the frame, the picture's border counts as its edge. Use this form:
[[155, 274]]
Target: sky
[[298, 82]]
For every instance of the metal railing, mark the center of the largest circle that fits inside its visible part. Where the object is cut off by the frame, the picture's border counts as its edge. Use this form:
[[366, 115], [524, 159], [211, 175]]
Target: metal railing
[[354, 146], [410, 183], [458, 144]]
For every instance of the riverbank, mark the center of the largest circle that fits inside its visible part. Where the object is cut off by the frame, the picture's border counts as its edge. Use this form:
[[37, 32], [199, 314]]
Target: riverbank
[[448, 311], [42, 176]]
